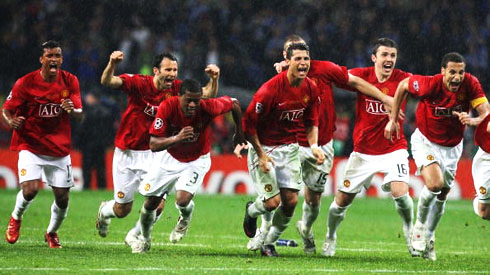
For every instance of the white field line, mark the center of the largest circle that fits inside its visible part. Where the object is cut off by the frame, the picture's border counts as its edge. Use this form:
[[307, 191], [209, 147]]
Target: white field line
[[240, 269]]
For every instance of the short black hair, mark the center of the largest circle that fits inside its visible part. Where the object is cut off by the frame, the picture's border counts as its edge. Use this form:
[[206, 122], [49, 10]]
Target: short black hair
[[452, 57], [50, 44], [296, 46], [190, 85], [384, 41], [292, 38], [158, 59]]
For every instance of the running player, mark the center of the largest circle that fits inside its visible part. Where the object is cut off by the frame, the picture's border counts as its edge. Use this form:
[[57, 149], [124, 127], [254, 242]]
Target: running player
[[132, 154], [372, 152], [39, 108], [283, 106], [181, 131], [437, 143]]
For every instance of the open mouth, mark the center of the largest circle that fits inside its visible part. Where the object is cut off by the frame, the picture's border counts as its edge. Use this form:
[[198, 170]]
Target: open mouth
[[168, 81], [303, 70], [454, 85], [53, 67], [388, 66]]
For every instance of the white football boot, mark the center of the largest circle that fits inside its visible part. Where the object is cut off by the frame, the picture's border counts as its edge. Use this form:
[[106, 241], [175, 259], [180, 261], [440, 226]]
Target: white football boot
[[131, 238], [430, 251], [419, 239], [256, 242], [180, 229], [101, 223], [141, 246], [309, 246], [328, 248]]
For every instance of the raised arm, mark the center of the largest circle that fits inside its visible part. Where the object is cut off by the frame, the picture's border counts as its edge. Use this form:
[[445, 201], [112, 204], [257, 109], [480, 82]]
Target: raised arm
[[211, 89], [400, 95], [108, 79], [238, 137], [368, 89]]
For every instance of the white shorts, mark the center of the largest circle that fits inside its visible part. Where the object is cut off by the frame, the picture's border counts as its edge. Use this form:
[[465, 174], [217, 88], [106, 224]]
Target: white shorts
[[169, 172], [481, 175], [361, 168], [58, 170], [426, 152], [314, 175], [128, 169], [285, 174]]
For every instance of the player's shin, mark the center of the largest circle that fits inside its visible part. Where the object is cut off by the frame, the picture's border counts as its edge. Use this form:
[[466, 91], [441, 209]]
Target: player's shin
[[257, 208], [335, 216], [436, 212], [310, 214], [21, 205], [58, 215], [404, 207], [147, 218], [279, 223], [426, 199]]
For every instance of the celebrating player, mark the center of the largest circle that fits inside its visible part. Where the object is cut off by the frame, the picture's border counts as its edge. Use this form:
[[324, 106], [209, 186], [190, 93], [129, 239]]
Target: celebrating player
[[325, 74], [283, 106], [480, 170], [132, 155], [181, 128], [372, 152], [39, 108], [437, 143]]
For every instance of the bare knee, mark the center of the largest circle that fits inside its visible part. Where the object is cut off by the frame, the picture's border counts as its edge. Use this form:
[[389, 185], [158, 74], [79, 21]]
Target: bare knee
[[30, 189], [152, 202], [272, 203], [122, 209], [343, 199], [183, 198], [484, 211], [61, 196], [398, 189], [160, 207], [312, 198]]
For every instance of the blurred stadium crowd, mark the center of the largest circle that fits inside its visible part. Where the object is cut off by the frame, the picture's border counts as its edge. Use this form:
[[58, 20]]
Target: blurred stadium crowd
[[244, 38]]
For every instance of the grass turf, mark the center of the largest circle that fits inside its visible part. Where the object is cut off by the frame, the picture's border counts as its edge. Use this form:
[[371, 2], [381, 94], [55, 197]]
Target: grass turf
[[370, 240]]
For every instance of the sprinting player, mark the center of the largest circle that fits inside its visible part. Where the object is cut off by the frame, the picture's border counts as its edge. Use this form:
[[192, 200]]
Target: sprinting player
[[325, 74], [181, 128], [39, 108], [284, 105], [437, 143], [372, 152], [132, 155], [481, 170]]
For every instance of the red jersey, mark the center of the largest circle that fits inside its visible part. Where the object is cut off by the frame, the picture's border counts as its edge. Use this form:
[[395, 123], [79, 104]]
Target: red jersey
[[482, 137], [278, 111], [170, 120], [372, 117], [46, 130], [434, 116], [325, 74], [143, 101]]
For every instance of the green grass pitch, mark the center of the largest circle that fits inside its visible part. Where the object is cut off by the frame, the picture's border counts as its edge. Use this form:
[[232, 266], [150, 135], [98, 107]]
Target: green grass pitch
[[369, 241]]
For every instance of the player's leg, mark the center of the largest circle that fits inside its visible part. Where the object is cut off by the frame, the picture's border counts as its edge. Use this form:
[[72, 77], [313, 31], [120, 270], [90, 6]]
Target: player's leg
[[258, 240], [135, 232], [59, 177], [146, 221], [280, 220], [185, 205], [404, 208], [315, 177], [311, 208], [336, 215], [357, 175], [481, 180], [267, 200]]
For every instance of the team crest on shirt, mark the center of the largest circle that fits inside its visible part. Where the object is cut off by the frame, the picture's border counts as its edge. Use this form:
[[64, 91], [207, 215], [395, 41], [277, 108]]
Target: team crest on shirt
[[147, 187], [158, 123], [120, 195], [461, 96], [23, 172], [65, 93], [259, 108], [346, 183], [268, 187], [306, 99], [416, 86], [385, 90], [430, 157], [483, 191]]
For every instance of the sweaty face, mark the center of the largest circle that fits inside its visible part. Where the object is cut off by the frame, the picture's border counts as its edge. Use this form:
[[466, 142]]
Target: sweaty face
[[453, 75], [166, 74], [51, 61], [299, 64], [385, 60], [189, 102]]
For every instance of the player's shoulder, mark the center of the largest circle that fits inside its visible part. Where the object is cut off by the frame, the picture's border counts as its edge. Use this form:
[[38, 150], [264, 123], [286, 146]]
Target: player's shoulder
[[399, 75], [362, 71]]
